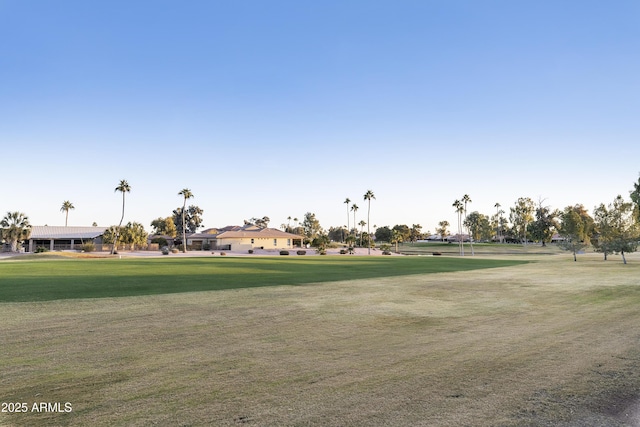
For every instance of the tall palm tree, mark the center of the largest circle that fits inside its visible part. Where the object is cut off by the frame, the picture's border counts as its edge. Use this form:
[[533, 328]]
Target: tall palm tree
[[368, 196], [124, 188], [466, 199], [187, 194], [459, 210], [66, 206], [354, 208], [347, 201], [15, 229], [497, 206]]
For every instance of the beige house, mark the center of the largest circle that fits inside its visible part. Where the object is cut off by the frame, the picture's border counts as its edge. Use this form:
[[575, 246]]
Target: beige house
[[237, 238]]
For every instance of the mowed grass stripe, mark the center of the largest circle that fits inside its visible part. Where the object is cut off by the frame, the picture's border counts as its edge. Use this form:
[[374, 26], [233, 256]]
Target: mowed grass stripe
[[99, 278]]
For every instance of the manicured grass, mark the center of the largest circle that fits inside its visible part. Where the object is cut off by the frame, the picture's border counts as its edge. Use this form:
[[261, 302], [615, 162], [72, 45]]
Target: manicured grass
[[98, 278], [548, 343]]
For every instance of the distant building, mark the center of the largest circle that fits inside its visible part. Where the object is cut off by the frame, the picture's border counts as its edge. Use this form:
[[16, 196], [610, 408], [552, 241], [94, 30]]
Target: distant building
[[63, 238], [236, 238]]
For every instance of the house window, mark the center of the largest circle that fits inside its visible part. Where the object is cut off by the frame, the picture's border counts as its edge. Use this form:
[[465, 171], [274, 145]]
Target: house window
[[275, 242], [288, 242]]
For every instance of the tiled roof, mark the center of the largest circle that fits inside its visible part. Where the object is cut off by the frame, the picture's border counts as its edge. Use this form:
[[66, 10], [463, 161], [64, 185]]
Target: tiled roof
[[42, 232]]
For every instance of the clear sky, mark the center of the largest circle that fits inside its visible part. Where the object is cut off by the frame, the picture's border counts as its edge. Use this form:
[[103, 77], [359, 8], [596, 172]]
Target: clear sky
[[279, 108]]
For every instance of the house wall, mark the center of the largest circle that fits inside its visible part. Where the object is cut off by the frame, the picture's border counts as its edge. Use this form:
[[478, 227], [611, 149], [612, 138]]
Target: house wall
[[243, 244]]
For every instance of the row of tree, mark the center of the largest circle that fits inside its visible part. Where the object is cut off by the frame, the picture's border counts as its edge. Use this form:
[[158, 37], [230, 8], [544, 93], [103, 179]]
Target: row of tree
[[613, 229]]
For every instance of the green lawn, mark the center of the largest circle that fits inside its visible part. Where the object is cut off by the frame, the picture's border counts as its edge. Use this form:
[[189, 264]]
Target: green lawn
[[45, 280]]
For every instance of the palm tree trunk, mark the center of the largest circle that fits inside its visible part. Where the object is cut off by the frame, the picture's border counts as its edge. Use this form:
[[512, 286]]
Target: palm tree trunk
[[117, 236], [184, 229]]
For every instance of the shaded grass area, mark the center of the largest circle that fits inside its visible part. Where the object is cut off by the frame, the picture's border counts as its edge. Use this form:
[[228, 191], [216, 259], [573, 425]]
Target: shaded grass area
[[99, 278]]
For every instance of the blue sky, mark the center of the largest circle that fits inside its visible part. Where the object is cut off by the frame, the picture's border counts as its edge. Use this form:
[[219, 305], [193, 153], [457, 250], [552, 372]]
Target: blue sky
[[285, 107]]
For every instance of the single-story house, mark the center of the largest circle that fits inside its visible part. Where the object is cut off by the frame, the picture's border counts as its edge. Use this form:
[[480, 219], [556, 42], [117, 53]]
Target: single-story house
[[63, 238], [238, 238]]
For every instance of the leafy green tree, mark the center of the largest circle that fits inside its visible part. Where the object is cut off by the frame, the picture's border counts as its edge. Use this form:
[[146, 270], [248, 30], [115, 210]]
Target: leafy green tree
[[635, 198], [124, 188], [15, 229], [521, 216], [66, 206], [259, 222], [404, 230], [109, 236], [443, 229], [336, 234], [134, 234], [383, 234], [472, 224], [576, 228], [368, 196], [545, 224], [311, 226], [193, 219], [164, 226], [320, 242], [415, 233], [617, 229], [186, 194]]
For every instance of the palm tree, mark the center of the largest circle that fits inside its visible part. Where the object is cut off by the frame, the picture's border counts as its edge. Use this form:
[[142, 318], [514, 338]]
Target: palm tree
[[65, 208], [15, 229], [124, 188], [187, 194], [466, 199], [354, 208], [347, 201], [361, 224], [368, 196], [497, 206], [459, 210], [396, 237]]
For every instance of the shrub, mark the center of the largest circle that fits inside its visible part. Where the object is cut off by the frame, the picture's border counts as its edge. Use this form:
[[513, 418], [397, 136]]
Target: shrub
[[41, 249], [175, 250], [88, 247], [284, 252], [250, 251], [386, 253], [343, 251], [301, 252], [165, 250], [223, 253], [206, 247], [160, 241]]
